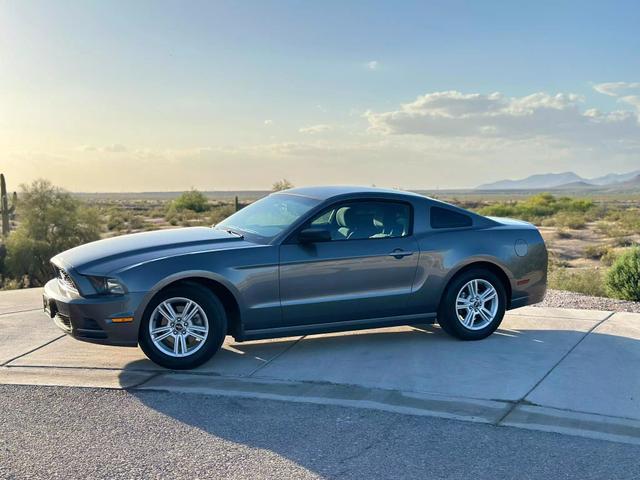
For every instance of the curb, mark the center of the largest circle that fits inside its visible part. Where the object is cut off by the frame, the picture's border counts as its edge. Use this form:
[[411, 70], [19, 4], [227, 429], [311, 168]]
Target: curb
[[601, 427], [482, 411], [494, 412]]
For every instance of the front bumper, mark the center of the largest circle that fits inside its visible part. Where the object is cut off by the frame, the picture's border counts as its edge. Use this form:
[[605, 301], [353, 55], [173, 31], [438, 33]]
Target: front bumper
[[90, 319]]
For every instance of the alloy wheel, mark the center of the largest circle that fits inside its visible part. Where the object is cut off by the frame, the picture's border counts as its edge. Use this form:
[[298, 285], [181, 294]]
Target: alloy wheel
[[476, 304], [178, 327]]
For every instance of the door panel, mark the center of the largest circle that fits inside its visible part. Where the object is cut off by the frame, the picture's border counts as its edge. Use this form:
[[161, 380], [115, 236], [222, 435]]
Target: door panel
[[346, 280]]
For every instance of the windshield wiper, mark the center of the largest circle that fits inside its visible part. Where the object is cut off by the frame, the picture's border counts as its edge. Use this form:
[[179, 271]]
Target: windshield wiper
[[233, 232]]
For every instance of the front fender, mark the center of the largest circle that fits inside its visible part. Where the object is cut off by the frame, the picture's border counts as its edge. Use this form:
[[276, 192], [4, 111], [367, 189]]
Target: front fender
[[250, 275], [184, 275]]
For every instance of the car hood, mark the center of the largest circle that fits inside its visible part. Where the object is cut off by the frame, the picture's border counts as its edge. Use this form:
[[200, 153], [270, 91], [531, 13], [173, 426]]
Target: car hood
[[105, 256]]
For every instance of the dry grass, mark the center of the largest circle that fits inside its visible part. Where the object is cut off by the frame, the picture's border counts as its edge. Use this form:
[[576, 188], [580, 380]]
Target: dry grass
[[589, 281]]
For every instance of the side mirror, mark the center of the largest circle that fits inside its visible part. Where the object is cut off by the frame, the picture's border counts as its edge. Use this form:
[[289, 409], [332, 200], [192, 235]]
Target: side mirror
[[314, 235]]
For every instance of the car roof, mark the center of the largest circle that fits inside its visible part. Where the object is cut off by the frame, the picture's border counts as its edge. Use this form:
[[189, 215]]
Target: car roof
[[329, 191]]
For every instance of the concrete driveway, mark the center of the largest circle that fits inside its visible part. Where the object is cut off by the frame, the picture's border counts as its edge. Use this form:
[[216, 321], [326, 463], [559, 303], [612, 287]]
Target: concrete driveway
[[561, 370]]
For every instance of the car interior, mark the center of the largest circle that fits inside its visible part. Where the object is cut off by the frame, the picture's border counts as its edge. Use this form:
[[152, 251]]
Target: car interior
[[362, 220]]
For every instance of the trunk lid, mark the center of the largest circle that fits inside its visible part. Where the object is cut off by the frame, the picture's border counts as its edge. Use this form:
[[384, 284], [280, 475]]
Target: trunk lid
[[512, 222]]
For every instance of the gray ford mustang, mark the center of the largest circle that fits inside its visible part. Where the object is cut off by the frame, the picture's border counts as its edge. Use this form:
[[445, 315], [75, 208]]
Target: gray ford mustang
[[301, 261]]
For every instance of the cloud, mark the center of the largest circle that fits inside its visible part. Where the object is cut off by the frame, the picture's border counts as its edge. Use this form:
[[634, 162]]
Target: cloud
[[115, 148], [86, 148], [456, 114], [421, 161], [439, 139], [268, 122], [633, 100], [315, 129], [373, 65], [616, 89], [625, 92]]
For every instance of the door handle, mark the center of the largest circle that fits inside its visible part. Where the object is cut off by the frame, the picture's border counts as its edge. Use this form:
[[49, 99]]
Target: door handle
[[399, 253]]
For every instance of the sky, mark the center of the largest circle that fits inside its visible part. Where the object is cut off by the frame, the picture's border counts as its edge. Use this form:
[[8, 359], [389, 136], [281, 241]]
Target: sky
[[220, 95]]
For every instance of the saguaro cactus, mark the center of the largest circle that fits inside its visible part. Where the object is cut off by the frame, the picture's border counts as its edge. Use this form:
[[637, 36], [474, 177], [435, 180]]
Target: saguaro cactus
[[236, 203], [6, 211]]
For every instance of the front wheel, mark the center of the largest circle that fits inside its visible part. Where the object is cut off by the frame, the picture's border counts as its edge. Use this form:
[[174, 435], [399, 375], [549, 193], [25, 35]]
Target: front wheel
[[473, 305], [183, 327]]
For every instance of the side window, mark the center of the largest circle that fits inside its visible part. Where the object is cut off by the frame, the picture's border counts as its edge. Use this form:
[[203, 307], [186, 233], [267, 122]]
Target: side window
[[362, 220], [323, 220], [445, 218]]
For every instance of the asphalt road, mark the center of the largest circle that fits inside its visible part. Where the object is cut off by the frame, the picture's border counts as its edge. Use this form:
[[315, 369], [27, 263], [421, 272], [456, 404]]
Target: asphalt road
[[53, 432]]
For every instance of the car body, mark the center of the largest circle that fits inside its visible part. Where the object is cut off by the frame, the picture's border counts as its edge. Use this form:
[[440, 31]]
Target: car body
[[349, 258]]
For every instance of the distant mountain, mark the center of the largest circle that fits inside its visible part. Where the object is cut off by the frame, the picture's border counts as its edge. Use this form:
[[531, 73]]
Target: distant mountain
[[632, 184], [580, 185], [545, 180], [567, 181], [614, 178]]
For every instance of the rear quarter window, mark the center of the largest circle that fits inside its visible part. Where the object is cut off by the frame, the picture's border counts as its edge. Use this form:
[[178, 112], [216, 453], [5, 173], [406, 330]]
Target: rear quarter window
[[445, 218]]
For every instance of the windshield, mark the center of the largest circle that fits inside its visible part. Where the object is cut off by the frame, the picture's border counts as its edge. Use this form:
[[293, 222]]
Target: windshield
[[269, 216]]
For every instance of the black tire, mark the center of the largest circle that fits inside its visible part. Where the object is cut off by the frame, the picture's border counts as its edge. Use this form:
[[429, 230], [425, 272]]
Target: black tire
[[216, 317], [448, 316]]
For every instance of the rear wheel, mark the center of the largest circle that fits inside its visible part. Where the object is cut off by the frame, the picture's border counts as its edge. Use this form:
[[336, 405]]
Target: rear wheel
[[473, 305], [183, 327]]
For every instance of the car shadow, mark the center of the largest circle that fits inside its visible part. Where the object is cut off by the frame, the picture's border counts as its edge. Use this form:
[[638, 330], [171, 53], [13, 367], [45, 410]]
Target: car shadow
[[377, 354], [263, 352]]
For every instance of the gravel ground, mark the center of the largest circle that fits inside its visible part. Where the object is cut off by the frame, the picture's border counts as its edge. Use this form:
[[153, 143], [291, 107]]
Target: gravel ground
[[69, 433], [563, 299]]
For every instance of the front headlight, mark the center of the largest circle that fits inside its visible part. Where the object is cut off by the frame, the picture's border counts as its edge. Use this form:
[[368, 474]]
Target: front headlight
[[107, 286]]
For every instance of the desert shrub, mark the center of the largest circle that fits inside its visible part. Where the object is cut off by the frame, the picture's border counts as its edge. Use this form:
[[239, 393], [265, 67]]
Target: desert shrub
[[604, 228], [221, 212], [3, 255], [171, 214], [136, 222], [280, 185], [538, 207], [157, 212], [556, 262], [596, 212], [12, 284], [611, 229], [624, 242], [120, 220], [186, 218], [115, 222], [623, 278], [596, 252], [548, 222], [620, 223], [609, 257], [499, 210], [628, 218], [188, 209], [468, 204], [588, 281], [51, 220], [572, 220], [192, 200]]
